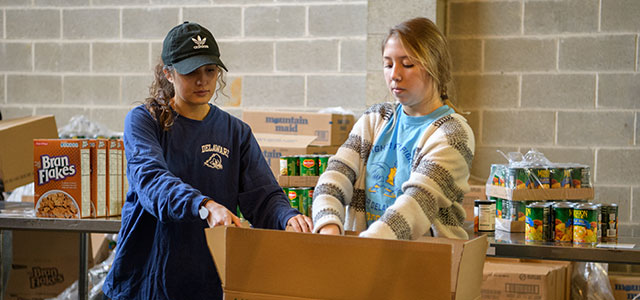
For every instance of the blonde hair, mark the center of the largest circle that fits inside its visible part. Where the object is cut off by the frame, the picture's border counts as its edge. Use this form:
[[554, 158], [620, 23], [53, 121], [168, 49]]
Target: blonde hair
[[427, 46]]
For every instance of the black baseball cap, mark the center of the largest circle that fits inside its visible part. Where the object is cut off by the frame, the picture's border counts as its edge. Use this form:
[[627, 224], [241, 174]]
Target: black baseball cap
[[189, 46]]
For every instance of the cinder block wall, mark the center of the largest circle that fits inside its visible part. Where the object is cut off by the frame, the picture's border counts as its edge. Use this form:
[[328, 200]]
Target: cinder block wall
[[95, 57], [559, 76]]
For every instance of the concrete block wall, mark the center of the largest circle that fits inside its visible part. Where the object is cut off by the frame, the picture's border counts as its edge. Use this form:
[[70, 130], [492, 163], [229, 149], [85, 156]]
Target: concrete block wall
[[557, 75], [95, 57]]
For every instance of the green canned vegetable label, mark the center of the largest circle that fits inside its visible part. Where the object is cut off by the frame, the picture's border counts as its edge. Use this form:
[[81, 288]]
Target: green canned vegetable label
[[498, 206], [323, 161], [295, 197], [560, 178], [308, 166]]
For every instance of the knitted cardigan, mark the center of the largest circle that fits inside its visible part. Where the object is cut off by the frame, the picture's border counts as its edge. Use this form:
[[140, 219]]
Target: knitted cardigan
[[432, 196]]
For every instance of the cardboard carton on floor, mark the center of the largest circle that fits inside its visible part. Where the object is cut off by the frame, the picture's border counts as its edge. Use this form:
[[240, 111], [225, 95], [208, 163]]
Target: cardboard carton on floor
[[44, 263], [257, 264], [329, 129], [525, 279], [625, 286], [274, 146], [16, 148]]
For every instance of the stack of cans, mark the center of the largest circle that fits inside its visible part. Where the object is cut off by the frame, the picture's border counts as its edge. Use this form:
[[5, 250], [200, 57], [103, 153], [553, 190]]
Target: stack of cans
[[300, 198], [303, 165], [541, 177]]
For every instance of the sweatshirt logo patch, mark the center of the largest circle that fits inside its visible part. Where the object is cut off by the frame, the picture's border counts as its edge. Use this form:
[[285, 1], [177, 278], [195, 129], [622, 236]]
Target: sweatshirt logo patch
[[215, 160]]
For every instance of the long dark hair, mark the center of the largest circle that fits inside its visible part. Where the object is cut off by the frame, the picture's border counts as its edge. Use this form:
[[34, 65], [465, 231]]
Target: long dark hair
[[162, 91]]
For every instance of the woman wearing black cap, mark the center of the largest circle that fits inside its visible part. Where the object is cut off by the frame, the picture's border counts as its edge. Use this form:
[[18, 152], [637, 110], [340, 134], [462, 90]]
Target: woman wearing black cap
[[189, 164]]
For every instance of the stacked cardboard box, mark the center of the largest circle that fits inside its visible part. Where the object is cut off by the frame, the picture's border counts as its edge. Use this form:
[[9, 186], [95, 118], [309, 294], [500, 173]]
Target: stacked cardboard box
[[526, 279], [625, 286], [78, 178], [291, 133]]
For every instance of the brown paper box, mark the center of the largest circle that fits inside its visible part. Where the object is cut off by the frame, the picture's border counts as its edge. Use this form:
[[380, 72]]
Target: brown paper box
[[269, 264], [16, 148], [625, 286], [329, 129]]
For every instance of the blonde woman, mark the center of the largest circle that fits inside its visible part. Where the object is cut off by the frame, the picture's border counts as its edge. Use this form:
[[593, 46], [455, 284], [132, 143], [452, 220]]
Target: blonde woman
[[403, 171]]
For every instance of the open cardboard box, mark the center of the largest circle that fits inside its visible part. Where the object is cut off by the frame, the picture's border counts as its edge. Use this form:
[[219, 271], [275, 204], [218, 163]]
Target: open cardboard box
[[258, 264]]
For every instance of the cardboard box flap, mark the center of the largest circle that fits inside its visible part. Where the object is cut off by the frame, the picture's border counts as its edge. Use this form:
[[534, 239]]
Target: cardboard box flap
[[269, 262], [217, 245], [279, 140], [466, 264], [470, 270]]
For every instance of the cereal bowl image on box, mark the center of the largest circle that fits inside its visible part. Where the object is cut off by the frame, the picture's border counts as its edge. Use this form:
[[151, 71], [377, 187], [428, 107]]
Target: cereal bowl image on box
[[57, 204]]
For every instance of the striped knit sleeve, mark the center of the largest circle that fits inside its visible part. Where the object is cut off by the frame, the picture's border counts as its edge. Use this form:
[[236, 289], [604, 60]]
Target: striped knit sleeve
[[335, 187], [432, 197]]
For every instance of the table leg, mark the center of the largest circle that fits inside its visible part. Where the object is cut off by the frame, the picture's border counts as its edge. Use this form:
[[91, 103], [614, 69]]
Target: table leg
[[83, 284]]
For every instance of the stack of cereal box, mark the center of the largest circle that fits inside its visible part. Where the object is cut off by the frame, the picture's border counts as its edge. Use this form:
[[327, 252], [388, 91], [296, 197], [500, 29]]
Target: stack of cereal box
[[79, 178]]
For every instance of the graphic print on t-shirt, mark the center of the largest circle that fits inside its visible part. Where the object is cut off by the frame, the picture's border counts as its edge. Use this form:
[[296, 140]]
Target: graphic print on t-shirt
[[215, 160]]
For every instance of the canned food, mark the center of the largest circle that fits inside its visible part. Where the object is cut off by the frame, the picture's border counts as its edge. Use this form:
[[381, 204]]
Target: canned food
[[484, 215], [296, 197], [499, 174], [537, 226], [586, 177], [560, 178], [323, 161], [563, 215], [576, 176], [288, 166], [304, 203], [506, 209], [517, 210], [308, 165], [498, 206], [585, 224], [540, 178], [609, 222], [518, 178]]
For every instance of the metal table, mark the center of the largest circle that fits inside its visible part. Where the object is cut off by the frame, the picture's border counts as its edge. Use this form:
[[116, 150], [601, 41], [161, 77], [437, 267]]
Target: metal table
[[12, 219], [505, 244]]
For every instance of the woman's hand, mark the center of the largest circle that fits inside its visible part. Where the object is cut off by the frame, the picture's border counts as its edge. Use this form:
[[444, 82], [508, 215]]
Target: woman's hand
[[220, 215], [331, 229], [300, 223]]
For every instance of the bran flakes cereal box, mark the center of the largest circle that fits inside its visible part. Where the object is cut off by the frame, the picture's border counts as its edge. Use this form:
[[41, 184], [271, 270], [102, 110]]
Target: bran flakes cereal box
[[62, 176], [102, 177], [125, 183], [114, 188]]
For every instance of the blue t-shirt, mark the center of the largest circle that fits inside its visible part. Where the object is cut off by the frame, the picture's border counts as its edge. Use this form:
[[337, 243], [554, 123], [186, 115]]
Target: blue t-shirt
[[162, 251], [389, 163]]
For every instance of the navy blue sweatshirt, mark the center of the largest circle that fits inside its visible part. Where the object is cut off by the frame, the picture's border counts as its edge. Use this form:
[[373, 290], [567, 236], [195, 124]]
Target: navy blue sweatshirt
[[162, 251]]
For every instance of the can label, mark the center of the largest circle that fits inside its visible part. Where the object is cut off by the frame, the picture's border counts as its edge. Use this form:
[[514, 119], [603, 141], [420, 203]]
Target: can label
[[576, 177], [517, 211], [304, 202], [586, 177], [518, 178], [560, 178], [498, 207], [323, 161], [585, 226], [485, 214], [563, 224], [308, 166], [609, 222], [296, 196], [537, 226], [499, 175], [541, 178]]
